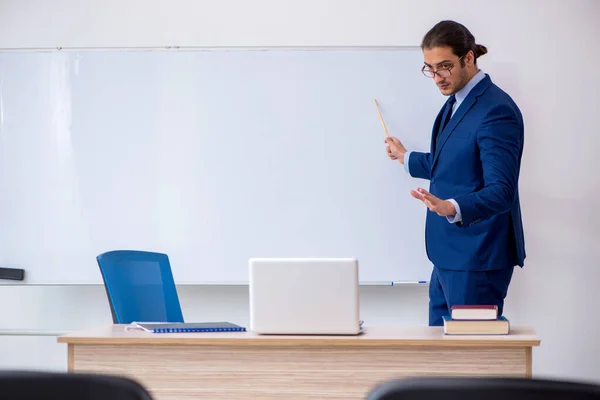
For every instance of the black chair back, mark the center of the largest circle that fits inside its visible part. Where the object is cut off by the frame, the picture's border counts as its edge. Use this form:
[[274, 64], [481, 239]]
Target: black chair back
[[483, 388], [28, 385]]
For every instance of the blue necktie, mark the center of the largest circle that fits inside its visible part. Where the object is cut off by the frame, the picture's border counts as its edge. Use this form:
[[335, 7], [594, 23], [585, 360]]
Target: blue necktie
[[447, 114]]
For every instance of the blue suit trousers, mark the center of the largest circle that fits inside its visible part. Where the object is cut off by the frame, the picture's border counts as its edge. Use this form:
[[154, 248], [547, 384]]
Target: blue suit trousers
[[451, 287]]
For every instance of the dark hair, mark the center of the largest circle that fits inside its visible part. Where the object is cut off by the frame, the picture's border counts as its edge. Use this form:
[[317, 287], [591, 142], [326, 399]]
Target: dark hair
[[453, 35]]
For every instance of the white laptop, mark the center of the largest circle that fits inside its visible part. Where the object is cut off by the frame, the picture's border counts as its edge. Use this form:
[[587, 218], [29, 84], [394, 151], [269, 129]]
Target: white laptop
[[304, 296]]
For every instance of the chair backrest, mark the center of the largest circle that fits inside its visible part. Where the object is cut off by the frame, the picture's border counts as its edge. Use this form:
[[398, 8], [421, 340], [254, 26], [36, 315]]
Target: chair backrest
[[477, 388], [139, 286], [31, 385]]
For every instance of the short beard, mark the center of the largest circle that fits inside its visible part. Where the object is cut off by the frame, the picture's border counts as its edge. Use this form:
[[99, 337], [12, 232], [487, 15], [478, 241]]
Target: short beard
[[463, 79]]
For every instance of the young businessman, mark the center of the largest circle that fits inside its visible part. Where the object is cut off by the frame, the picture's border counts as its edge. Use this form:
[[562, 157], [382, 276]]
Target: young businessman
[[474, 233]]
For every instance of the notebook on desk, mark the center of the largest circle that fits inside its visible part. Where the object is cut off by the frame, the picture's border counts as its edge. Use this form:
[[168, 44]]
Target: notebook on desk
[[184, 327]]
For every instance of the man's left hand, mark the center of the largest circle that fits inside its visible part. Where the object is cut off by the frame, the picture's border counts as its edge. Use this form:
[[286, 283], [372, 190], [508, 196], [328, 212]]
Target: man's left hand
[[443, 208]]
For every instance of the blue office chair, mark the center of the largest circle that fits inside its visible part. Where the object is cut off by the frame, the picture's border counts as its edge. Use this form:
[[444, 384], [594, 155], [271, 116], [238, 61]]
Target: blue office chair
[[139, 286]]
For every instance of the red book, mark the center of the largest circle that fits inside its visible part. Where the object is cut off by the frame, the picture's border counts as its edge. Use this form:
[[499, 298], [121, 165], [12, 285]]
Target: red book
[[474, 312]]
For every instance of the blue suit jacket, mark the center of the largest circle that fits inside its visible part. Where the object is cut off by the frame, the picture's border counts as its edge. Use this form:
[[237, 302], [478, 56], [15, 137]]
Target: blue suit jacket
[[476, 161]]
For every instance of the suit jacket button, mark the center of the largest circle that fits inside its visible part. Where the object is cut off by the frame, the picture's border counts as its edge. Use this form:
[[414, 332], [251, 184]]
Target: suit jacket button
[[432, 180]]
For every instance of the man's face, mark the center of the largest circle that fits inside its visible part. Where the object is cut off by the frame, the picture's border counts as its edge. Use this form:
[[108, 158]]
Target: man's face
[[442, 59]]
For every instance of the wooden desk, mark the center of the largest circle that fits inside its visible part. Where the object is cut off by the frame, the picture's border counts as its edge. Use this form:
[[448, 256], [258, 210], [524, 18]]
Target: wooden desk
[[239, 365]]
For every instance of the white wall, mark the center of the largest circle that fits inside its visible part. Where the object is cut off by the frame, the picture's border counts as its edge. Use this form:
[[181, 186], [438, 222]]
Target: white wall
[[542, 52]]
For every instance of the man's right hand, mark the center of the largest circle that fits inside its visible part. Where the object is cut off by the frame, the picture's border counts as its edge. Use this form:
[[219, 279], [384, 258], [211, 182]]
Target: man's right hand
[[395, 149]]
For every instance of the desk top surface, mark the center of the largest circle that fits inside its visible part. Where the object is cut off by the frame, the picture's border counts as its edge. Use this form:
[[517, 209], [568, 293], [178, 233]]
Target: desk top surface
[[371, 336]]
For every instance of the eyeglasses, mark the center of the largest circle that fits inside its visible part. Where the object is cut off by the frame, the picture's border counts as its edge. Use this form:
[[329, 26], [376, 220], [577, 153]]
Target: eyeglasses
[[444, 72]]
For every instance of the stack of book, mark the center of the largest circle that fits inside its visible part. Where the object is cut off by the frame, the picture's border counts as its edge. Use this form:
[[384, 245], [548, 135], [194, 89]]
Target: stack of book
[[475, 320]]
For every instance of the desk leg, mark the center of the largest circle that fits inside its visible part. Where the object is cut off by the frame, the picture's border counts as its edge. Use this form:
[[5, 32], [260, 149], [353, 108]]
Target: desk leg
[[70, 357], [529, 362]]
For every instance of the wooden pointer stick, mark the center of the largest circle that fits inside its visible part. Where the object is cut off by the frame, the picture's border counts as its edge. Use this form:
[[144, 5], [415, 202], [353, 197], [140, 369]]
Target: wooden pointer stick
[[381, 118]]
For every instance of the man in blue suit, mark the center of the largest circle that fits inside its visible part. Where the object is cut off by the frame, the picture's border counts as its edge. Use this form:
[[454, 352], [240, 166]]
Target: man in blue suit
[[474, 234]]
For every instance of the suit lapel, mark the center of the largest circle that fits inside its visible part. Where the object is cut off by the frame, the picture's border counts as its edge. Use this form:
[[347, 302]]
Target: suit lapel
[[462, 110]]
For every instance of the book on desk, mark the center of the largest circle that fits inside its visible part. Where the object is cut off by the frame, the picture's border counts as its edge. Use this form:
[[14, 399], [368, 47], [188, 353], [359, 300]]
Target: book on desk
[[185, 327], [475, 320]]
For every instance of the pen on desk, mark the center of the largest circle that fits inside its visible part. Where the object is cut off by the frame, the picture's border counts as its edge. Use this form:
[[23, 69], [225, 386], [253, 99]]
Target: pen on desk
[[409, 283]]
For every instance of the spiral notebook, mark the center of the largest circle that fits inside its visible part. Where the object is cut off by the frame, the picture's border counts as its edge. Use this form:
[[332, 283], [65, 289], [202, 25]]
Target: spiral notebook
[[183, 327]]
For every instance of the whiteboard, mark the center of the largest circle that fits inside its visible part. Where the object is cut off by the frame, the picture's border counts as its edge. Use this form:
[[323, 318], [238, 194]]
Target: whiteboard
[[212, 156]]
